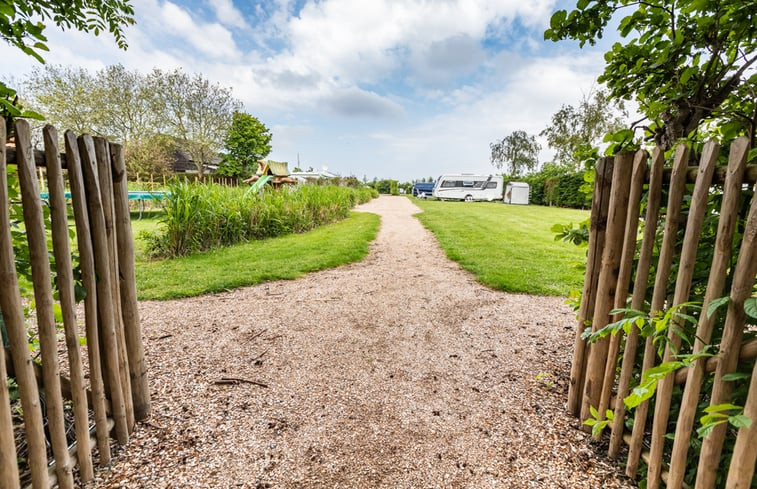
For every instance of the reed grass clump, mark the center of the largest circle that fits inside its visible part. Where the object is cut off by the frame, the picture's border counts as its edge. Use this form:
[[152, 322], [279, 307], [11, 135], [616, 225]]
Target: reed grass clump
[[199, 217]]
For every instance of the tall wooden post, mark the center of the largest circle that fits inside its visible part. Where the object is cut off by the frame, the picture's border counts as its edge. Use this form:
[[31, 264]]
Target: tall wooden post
[[599, 208], [87, 265], [65, 281], [43, 295], [132, 328], [104, 289], [10, 306], [608, 278]]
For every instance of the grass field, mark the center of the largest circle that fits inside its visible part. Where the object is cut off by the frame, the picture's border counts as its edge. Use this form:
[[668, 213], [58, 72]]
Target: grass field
[[508, 247], [285, 257]]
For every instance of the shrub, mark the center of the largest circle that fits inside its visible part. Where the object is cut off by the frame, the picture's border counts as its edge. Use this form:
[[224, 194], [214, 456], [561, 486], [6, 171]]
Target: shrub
[[200, 217]]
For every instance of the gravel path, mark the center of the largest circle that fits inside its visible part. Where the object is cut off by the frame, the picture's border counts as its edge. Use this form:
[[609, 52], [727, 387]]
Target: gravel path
[[399, 371]]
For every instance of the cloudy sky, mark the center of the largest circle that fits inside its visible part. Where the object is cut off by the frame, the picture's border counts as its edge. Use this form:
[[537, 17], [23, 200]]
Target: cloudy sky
[[401, 89]]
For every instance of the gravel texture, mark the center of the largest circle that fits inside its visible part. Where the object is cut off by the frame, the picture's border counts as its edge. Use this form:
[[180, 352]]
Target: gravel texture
[[398, 371]]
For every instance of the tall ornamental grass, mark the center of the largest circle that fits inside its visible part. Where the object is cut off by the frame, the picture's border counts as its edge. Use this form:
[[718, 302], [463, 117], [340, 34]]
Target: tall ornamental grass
[[204, 216]]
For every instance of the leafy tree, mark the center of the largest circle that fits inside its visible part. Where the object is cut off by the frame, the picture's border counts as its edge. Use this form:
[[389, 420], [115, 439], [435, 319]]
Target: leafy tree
[[149, 156], [194, 111], [22, 24], [517, 153], [575, 132], [685, 62], [247, 141], [68, 97]]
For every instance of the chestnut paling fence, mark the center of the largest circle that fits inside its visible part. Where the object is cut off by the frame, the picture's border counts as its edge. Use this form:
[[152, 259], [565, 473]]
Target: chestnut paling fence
[[45, 402], [688, 380]]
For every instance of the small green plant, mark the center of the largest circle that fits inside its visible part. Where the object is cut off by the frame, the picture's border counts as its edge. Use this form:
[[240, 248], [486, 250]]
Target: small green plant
[[597, 423], [722, 413], [656, 325], [545, 379], [578, 235]]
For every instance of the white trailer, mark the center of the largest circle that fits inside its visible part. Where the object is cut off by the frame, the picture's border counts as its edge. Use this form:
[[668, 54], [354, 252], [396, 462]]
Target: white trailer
[[469, 187], [516, 193]]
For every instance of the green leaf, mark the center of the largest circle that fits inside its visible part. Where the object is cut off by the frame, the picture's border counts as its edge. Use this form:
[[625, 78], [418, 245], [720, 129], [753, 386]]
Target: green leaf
[[740, 421], [735, 376], [594, 412], [714, 305], [750, 307], [720, 407], [557, 19]]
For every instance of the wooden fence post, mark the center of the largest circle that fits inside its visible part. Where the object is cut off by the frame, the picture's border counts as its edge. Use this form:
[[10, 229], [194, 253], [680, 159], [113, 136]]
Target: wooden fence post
[[43, 295], [730, 346], [10, 306], [599, 208], [140, 390], [626, 270], [688, 261], [715, 284], [654, 196], [104, 289], [608, 277], [65, 282], [664, 264], [745, 450], [87, 265], [105, 182]]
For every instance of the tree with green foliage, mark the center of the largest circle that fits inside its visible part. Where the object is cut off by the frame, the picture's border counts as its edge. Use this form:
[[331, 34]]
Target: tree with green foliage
[[22, 25], [194, 111], [518, 153], [576, 132], [247, 141], [686, 62]]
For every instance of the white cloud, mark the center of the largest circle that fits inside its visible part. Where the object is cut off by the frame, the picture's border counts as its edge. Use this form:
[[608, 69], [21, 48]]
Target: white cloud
[[211, 39], [399, 88], [228, 14]]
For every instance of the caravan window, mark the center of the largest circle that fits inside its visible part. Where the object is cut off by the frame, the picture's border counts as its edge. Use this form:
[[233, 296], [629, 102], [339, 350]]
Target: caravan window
[[449, 184], [469, 183], [491, 185]]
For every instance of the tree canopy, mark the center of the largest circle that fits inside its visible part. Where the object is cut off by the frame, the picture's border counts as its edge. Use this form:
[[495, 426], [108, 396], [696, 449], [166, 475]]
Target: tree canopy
[[685, 62], [23, 22], [186, 111], [247, 141], [575, 132], [517, 153]]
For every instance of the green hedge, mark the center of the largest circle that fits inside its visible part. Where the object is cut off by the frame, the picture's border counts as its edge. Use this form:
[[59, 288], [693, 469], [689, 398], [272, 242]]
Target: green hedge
[[200, 217]]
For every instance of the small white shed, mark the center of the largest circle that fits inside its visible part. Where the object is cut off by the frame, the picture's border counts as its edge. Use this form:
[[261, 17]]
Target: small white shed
[[516, 193]]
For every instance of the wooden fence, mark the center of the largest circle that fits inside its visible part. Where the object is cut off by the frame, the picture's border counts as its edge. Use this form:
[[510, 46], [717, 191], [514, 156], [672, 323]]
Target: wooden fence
[[606, 369], [117, 393]]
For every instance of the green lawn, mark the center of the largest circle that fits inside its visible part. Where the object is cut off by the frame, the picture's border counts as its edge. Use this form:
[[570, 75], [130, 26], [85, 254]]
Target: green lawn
[[508, 247], [285, 257]]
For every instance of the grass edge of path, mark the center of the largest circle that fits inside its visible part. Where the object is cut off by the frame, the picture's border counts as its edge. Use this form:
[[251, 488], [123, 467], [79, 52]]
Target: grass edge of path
[[281, 258], [528, 261]]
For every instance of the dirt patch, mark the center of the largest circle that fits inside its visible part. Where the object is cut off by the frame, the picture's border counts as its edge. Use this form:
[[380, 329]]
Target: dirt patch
[[399, 371]]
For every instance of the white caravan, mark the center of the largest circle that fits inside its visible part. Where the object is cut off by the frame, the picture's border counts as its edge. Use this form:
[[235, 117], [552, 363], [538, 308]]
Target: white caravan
[[469, 187]]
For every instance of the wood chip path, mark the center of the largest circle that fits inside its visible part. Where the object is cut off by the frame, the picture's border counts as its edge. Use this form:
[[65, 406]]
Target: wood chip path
[[398, 371]]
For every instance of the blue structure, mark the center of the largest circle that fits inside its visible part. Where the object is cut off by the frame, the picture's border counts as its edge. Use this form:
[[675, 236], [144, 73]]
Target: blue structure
[[422, 189]]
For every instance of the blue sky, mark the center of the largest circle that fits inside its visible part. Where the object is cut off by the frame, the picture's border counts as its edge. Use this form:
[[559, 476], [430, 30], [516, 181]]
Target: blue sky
[[401, 89]]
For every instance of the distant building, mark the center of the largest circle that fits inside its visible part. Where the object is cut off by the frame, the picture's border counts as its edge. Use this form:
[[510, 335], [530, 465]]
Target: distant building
[[183, 163], [309, 176]]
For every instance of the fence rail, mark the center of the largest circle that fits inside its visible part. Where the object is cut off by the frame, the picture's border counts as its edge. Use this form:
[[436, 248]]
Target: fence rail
[[605, 371], [117, 393]]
